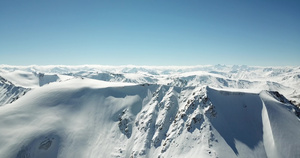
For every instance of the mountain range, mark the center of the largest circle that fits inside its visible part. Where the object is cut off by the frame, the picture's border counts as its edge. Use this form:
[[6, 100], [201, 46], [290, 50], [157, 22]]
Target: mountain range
[[147, 111]]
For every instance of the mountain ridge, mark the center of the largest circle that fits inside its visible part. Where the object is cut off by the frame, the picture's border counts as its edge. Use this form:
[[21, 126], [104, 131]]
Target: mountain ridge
[[174, 115], [139, 121]]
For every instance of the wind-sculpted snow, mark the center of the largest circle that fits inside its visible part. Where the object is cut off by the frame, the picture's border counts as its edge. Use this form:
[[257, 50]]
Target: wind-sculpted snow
[[94, 111], [45, 146], [90, 118], [239, 120], [29, 79], [285, 80]]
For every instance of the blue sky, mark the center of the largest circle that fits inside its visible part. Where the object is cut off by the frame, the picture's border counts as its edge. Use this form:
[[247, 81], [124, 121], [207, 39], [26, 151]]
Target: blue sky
[[154, 32]]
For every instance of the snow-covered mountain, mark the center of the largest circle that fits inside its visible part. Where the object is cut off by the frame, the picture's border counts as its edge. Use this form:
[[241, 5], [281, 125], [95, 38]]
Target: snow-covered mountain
[[282, 79], [9, 92], [130, 111]]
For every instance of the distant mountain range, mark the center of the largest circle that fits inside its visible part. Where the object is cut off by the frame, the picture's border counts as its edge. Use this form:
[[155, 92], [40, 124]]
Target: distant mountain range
[[142, 111]]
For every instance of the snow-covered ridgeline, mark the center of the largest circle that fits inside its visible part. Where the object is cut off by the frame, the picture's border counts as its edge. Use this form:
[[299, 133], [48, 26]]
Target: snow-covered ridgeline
[[285, 80], [91, 118], [143, 113]]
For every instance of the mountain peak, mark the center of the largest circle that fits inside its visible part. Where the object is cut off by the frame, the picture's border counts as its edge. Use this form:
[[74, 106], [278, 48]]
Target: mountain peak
[[86, 116]]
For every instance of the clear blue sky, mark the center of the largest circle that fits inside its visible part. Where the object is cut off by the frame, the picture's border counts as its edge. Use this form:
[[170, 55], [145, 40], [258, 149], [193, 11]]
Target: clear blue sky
[[153, 32]]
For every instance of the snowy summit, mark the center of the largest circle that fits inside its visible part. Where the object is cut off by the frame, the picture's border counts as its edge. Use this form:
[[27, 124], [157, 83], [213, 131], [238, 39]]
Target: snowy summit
[[96, 111]]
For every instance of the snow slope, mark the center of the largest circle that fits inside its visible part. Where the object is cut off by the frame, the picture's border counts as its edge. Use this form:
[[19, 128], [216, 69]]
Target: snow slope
[[285, 80], [9, 92], [94, 111], [29, 79], [90, 118]]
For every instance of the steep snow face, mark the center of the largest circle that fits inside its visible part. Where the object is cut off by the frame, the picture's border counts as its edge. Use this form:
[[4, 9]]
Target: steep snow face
[[279, 131], [239, 121], [129, 111], [91, 118], [9, 92]]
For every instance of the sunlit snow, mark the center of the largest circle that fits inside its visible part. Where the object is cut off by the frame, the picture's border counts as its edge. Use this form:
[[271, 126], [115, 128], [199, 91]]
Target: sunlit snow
[[141, 111]]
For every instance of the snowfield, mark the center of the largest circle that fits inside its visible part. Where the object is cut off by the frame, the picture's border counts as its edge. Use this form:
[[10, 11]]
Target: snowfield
[[138, 111]]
